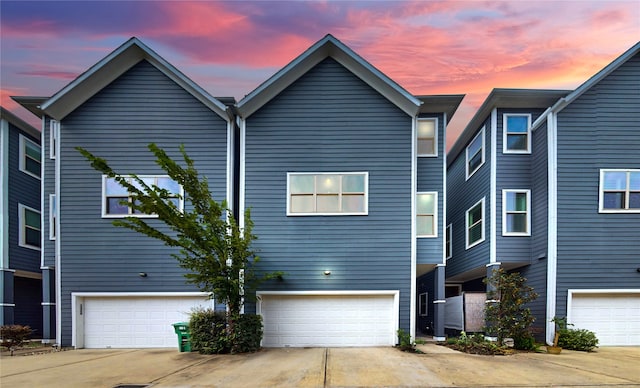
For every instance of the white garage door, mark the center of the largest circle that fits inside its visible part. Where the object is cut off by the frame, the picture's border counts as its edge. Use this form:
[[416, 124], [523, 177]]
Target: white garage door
[[614, 317], [136, 322], [328, 320]]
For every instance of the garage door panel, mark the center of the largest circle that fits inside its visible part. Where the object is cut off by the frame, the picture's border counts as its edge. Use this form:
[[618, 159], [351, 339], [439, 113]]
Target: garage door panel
[[613, 317], [335, 320]]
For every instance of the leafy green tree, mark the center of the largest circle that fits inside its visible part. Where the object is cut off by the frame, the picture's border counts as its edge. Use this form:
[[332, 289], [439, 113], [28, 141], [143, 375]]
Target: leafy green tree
[[215, 251], [506, 314]]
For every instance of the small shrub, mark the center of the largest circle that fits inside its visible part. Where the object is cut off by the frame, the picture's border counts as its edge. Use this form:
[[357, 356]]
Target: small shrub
[[247, 333], [578, 339], [208, 330], [404, 341], [476, 344], [14, 336], [524, 342]]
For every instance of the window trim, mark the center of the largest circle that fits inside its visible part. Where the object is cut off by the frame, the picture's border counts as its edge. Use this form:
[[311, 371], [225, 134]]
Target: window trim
[[435, 214], [482, 153], [448, 244], [424, 313], [504, 212], [466, 223], [104, 199], [23, 155], [53, 135], [365, 212], [601, 192], [22, 227], [435, 137], [53, 215], [505, 133]]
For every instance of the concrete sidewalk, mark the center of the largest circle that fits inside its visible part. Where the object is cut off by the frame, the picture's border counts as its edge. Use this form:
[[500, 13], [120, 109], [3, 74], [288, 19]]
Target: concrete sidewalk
[[322, 367]]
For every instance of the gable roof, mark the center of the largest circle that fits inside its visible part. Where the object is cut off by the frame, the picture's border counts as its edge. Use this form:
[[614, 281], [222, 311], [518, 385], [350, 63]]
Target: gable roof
[[503, 98], [113, 66], [599, 76], [18, 122], [328, 46]]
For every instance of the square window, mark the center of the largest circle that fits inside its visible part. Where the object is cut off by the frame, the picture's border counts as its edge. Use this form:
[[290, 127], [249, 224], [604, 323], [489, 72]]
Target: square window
[[517, 133], [427, 137], [327, 193], [475, 154], [619, 191], [475, 224]]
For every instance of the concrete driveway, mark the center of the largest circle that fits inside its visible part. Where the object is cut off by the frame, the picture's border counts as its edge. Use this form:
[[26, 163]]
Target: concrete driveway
[[321, 367]]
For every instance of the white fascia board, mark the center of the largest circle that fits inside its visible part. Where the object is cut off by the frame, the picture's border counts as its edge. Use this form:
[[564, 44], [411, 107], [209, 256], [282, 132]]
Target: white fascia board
[[110, 68]]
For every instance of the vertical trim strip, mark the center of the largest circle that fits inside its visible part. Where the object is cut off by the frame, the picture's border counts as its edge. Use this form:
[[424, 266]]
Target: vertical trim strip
[[4, 193], [414, 186], [241, 185], [444, 190], [493, 195], [552, 208], [58, 278]]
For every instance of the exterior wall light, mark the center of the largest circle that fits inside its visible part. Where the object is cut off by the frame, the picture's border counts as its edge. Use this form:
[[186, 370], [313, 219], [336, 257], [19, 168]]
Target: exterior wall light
[[142, 274], [327, 272]]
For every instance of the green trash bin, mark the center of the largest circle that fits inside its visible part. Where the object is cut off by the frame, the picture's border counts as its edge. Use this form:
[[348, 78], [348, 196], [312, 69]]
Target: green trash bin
[[184, 337]]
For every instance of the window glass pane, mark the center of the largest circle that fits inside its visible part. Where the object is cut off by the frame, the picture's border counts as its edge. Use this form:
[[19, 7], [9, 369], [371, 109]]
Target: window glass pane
[[425, 204], [425, 147], [32, 166], [328, 183], [517, 124], [328, 204], [424, 225], [475, 215], [169, 184], [353, 203], [426, 129], [31, 219], [114, 206], [301, 184], [615, 180], [634, 200], [353, 184], [113, 188], [517, 223], [32, 237], [32, 150], [516, 202], [634, 180], [475, 146], [517, 142], [302, 204], [613, 201], [475, 162], [475, 233], [175, 201]]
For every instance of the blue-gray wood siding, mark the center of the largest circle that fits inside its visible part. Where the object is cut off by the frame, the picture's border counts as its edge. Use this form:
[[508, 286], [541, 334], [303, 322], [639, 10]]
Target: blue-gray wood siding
[[513, 172], [597, 131], [23, 189], [28, 299], [429, 171], [461, 196], [331, 121], [426, 284], [140, 107]]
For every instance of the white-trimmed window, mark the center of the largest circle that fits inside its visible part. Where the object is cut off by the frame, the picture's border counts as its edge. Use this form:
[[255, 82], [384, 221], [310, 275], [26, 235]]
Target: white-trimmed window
[[53, 136], [474, 218], [327, 193], [427, 214], [29, 227], [516, 212], [516, 133], [475, 154], [448, 243], [427, 137], [53, 215], [620, 191], [423, 299], [115, 197], [30, 157]]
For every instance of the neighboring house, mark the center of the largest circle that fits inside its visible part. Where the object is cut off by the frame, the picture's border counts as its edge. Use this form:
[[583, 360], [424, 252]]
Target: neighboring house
[[548, 183], [20, 223], [343, 171], [106, 286]]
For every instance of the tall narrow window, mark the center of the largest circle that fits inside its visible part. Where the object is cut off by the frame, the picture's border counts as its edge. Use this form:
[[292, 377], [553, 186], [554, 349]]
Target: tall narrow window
[[427, 137], [517, 133], [448, 244], [115, 198], [620, 191], [53, 136], [475, 154], [53, 215], [29, 232], [426, 214], [475, 224], [30, 157], [516, 215], [327, 193], [423, 299]]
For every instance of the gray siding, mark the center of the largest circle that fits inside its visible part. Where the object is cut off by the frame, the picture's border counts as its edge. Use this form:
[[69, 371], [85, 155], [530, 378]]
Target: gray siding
[[23, 189], [331, 121], [461, 195], [430, 178], [598, 130], [48, 188], [140, 107]]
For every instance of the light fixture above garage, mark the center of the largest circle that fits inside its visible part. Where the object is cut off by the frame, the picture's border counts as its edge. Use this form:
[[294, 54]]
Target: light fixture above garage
[[327, 272]]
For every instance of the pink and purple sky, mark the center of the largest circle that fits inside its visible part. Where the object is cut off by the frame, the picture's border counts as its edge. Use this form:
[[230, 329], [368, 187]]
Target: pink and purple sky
[[230, 47]]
